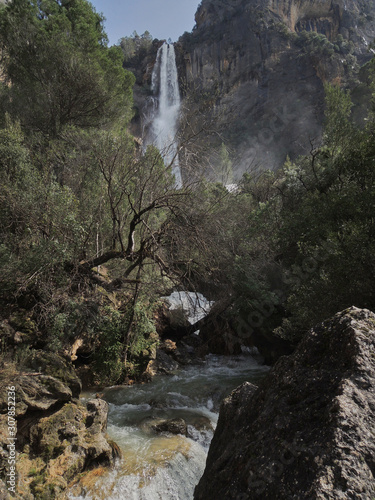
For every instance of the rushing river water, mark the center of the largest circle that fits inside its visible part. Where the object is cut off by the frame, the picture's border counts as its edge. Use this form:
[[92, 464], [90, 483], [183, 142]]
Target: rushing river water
[[165, 466]]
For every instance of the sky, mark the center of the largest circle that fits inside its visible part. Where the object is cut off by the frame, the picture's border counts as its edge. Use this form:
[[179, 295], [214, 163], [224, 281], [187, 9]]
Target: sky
[[162, 18]]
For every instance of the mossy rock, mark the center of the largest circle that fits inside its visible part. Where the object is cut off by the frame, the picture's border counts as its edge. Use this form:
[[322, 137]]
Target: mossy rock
[[21, 320], [54, 365]]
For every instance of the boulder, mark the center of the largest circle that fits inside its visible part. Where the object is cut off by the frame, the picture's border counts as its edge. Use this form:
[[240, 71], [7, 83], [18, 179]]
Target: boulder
[[163, 364], [201, 423], [34, 392], [308, 430], [52, 364], [63, 445], [58, 438], [174, 426]]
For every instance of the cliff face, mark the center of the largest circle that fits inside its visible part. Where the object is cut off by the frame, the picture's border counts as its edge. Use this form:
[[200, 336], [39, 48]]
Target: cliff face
[[308, 430], [262, 65]]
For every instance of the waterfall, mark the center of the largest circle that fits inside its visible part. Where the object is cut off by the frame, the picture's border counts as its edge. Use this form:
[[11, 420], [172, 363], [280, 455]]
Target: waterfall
[[166, 108]]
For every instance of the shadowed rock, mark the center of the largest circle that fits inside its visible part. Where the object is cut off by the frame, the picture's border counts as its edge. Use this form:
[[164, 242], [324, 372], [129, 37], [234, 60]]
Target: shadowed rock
[[308, 430]]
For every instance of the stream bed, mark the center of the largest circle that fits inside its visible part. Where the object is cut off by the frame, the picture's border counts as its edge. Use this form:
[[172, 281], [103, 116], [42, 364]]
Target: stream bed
[[164, 466]]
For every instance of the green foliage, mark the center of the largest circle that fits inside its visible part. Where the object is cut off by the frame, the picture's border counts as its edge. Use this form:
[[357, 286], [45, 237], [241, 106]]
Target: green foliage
[[32, 214], [133, 332], [326, 234], [294, 246], [136, 47], [59, 66], [143, 339], [338, 127], [113, 327], [315, 44]]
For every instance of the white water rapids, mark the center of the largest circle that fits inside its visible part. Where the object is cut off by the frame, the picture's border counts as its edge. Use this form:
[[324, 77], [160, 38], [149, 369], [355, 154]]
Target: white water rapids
[[165, 466], [166, 109]]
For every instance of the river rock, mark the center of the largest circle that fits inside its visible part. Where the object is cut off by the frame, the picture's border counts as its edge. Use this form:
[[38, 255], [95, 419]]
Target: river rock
[[63, 445], [58, 438], [34, 392], [174, 426], [308, 430], [163, 364], [201, 423]]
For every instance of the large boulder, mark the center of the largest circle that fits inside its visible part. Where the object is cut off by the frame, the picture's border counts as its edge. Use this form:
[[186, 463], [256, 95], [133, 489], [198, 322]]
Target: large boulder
[[58, 438], [56, 366], [308, 430], [63, 445]]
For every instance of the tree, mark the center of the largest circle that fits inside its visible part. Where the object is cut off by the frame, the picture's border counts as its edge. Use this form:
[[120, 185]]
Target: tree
[[136, 46], [58, 68], [326, 234]]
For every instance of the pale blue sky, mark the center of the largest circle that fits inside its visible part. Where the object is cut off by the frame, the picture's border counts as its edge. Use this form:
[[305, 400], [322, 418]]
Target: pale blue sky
[[162, 18]]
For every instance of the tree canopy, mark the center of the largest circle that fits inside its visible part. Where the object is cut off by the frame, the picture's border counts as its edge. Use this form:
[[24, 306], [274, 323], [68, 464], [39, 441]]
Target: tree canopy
[[58, 70]]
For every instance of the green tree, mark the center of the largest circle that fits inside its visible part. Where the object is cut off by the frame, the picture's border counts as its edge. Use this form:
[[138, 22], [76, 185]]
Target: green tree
[[326, 234], [38, 217], [58, 68], [136, 46]]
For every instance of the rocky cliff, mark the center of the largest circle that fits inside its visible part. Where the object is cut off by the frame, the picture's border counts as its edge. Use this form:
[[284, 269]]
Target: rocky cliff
[[308, 430], [259, 67]]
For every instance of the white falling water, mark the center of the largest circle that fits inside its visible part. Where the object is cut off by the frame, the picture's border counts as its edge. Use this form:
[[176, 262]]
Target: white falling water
[[165, 120]]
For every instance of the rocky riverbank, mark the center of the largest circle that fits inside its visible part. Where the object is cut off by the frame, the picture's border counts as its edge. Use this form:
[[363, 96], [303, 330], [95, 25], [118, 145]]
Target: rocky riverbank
[[308, 430], [60, 440], [58, 437]]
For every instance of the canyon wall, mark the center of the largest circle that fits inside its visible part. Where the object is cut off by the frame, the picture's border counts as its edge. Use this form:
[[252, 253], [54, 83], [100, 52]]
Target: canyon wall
[[262, 68]]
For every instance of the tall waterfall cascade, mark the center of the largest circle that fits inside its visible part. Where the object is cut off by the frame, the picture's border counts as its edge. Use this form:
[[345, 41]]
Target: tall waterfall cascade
[[166, 108]]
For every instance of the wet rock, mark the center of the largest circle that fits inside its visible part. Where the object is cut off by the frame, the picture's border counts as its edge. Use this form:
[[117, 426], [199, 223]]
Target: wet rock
[[308, 430], [69, 442], [174, 426], [201, 423], [58, 438], [163, 364]]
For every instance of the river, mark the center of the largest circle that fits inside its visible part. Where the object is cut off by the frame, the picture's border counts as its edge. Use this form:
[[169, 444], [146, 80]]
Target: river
[[166, 466]]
